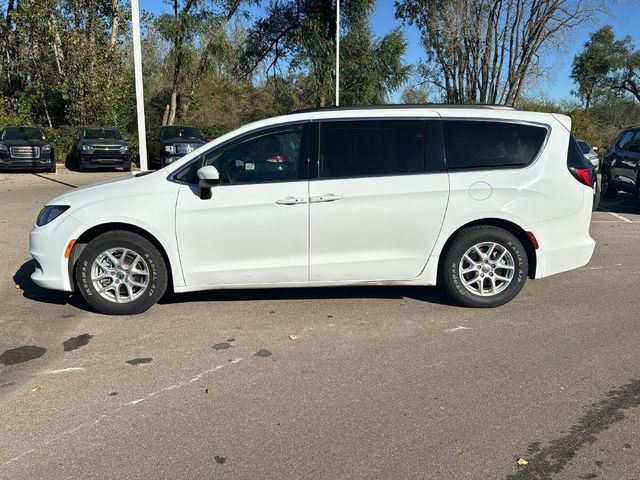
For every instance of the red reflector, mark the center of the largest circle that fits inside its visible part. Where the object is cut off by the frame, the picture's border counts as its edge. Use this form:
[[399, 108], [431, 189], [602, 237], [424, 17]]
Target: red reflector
[[534, 240], [584, 175]]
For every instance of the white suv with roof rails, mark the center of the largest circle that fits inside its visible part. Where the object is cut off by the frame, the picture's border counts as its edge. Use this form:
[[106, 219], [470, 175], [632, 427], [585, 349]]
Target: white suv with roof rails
[[477, 199]]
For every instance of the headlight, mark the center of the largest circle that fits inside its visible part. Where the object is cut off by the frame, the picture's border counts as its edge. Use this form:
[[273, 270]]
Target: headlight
[[46, 148], [170, 149], [3, 148], [124, 149], [87, 148], [49, 213]]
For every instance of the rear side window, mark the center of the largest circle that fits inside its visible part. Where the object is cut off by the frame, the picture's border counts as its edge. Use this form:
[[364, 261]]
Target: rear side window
[[485, 144], [575, 157], [371, 148]]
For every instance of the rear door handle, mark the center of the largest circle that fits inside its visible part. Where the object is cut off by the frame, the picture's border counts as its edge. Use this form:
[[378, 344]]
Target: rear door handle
[[291, 201], [327, 197]]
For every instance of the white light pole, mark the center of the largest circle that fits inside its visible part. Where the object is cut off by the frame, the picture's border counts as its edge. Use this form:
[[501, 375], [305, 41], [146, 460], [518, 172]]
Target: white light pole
[[337, 53], [137, 63]]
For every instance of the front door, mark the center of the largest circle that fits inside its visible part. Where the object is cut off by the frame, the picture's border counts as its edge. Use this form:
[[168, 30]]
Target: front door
[[378, 203], [254, 229]]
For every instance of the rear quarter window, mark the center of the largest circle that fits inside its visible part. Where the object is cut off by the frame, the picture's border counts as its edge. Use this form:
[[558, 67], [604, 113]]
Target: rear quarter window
[[489, 144]]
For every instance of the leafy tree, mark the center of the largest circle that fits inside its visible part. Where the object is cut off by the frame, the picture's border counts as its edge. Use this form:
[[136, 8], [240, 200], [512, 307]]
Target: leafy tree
[[299, 35], [591, 68], [487, 50]]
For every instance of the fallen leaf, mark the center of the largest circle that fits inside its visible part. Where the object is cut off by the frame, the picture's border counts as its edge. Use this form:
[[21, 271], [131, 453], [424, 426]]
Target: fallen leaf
[[18, 287], [293, 337], [208, 391], [522, 461], [36, 389]]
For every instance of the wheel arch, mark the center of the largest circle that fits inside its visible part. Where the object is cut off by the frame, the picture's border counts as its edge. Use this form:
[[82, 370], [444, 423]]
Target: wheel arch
[[507, 225], [96, 230]]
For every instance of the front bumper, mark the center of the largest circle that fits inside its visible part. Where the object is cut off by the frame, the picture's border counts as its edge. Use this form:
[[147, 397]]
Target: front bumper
[[99, 161], [10, 163], [167, 159], [47, 246]]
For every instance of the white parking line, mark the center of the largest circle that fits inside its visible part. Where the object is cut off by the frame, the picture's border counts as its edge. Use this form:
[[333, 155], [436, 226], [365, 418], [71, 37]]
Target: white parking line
[[618, 216]]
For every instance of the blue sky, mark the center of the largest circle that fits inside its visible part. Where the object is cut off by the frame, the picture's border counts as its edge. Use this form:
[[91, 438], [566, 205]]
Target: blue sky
[[624, 16]]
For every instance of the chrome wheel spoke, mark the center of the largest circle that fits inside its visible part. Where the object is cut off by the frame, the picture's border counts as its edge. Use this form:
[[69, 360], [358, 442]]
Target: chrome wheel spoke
[[126, 271], [492, 275]]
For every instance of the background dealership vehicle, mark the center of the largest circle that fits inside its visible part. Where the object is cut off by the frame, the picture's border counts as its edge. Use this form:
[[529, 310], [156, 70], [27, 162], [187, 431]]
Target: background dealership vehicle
[[621, 164], [99, 147], [475, 199], [589, 153], [171, 143], [26, 148]]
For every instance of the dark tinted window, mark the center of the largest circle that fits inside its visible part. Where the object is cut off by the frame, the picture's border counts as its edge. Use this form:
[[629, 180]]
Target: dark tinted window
[[187, 133], [23, 133], [268, 156], [482, 144], [575, 157], [584, 147], [101, 134], [625, 140], [370, 148]]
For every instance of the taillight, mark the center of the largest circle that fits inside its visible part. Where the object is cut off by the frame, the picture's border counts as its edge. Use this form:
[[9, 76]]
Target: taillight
[[584, 175]]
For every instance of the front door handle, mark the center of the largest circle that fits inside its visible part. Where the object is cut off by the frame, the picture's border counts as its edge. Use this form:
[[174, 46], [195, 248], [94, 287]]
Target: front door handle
[[291, 201], [327, 197]]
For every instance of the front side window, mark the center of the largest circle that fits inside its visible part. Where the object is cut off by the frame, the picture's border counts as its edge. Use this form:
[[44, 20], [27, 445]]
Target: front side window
[[625, 140], [491, 144], [268, 156], [371, 148]]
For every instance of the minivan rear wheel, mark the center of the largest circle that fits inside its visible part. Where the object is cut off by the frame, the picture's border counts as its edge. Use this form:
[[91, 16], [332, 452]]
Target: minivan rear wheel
[[485, 266], [121, 273]]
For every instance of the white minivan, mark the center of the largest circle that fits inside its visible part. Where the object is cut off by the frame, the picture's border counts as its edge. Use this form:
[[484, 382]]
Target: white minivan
[[477, 199]]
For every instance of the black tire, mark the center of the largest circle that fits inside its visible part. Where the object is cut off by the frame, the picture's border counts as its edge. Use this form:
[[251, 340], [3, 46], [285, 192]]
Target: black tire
[[606, 189], [157, 273], [53, 168], [127, 167], [596, 196], [465, 240]]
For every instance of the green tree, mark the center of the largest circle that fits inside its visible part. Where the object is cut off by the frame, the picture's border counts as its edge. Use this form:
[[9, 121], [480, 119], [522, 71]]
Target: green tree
[[299, 36], [592, 67]]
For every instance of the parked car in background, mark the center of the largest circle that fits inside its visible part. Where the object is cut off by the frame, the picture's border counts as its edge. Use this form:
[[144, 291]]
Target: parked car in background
[[621, 164], [26, 148], [171, 143], [476, 199], [589, 153], [99, 147]]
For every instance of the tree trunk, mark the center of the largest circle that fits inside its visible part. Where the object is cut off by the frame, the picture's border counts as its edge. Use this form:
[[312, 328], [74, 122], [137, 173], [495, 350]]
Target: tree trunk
[[173, 107], [115, 22], [165, 115]]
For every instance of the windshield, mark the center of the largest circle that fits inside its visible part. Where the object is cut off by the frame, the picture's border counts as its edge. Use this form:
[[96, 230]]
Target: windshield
[[186, 133], [584, 147], [101, 134], [23, 133]]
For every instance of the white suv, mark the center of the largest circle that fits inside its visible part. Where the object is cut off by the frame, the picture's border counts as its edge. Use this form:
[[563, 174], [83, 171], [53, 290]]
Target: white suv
[[476, 199]]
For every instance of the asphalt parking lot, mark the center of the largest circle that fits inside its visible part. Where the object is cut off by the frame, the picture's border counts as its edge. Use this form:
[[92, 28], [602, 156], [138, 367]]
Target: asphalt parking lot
[[356, 383]]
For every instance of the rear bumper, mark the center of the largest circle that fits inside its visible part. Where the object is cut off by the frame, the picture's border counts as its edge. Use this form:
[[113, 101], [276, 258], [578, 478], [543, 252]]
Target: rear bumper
[[565, 243]]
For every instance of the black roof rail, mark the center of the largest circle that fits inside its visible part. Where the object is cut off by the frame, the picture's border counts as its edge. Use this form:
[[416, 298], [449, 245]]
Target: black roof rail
[[391, 106]]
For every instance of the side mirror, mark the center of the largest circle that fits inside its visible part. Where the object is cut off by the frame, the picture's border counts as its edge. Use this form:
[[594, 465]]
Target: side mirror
[[208, 178], [595, 149], [126, 139]]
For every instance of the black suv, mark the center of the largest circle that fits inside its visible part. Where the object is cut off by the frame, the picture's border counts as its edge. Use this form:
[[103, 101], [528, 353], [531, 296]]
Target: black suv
[[97, 147], [172, 142], [621, 164], [26, 148]]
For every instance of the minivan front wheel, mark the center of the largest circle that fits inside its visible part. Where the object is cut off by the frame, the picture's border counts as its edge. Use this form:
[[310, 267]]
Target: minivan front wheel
[[121, 273], [485, 266]]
